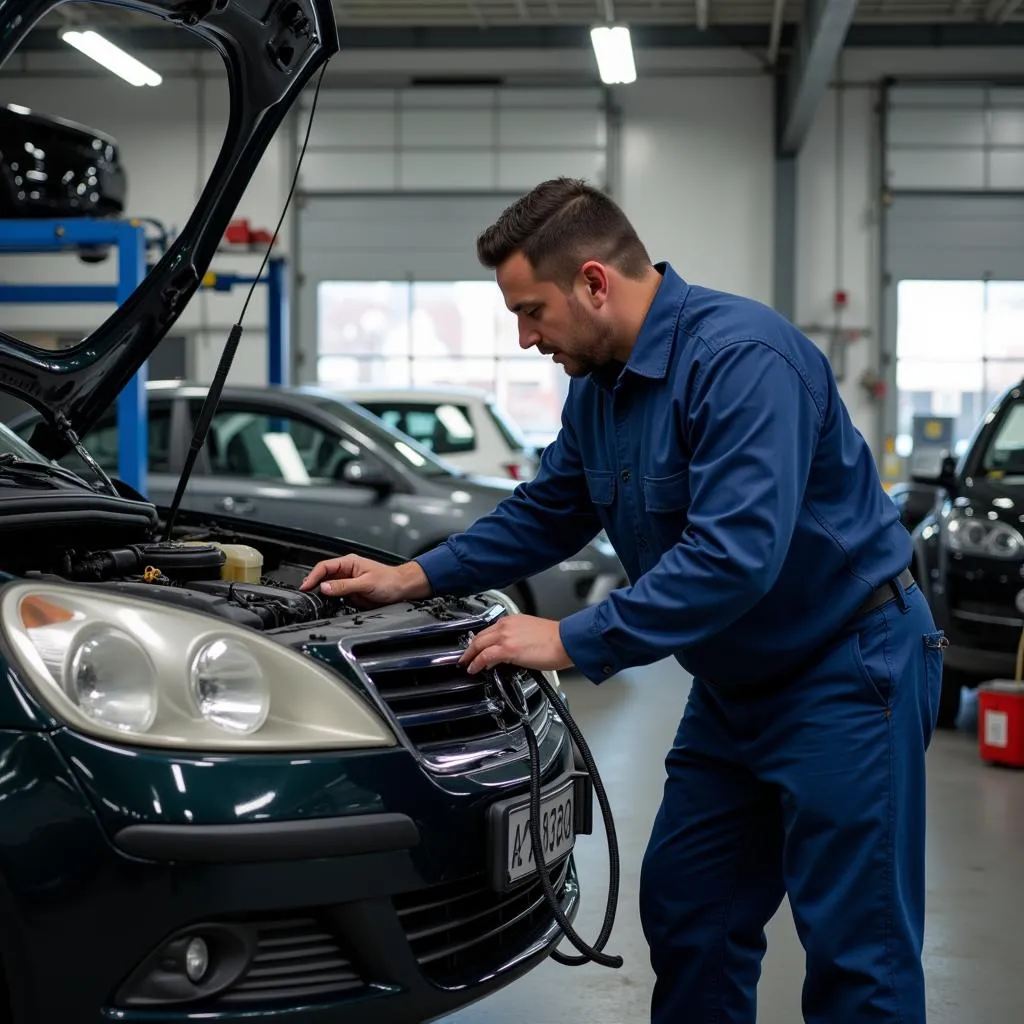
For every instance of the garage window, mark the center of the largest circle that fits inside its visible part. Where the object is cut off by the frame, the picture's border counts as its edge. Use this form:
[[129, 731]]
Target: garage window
[[424, 334], [960, 345]]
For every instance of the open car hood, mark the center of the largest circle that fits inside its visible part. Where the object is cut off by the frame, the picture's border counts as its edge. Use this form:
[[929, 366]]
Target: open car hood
[[271, 50]]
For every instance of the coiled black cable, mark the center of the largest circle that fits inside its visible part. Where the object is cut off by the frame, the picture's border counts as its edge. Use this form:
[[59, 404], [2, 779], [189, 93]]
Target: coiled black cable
[[516, 703]]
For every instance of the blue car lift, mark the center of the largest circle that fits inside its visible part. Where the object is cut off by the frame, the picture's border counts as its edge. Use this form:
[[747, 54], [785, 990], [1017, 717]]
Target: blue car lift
[[128, 237]]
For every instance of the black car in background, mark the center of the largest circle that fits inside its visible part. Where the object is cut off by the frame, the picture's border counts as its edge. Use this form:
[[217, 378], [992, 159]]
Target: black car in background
[[913, 501], [969, 553], [51, 167]]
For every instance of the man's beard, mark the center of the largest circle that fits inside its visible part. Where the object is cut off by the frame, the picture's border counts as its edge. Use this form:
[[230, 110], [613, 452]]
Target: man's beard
[[594, 337]]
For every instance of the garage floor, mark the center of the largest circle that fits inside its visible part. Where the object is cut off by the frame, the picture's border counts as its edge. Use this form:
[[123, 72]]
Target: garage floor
[[975, 861]]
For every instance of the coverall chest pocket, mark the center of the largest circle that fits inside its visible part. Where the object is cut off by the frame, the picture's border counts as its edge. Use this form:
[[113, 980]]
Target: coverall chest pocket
[[667, 503], [601, 486]]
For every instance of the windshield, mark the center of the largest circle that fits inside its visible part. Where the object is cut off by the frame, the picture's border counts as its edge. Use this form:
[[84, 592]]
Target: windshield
[[11, 444], [1004, 454], [408, 451]]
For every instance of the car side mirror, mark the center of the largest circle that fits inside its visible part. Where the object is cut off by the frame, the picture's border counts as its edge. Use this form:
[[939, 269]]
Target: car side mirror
[[945, 478], [360, 473]]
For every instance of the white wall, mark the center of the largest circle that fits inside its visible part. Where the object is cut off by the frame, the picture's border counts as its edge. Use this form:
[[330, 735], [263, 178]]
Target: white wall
[[695, 172], [697, 177]]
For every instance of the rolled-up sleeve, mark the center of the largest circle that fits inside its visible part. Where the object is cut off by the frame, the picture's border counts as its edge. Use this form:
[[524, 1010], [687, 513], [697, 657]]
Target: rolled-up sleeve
[[544, 521], [752, 429]]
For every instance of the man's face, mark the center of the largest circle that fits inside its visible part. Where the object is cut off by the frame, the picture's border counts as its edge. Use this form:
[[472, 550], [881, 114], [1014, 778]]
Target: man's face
[[569, 327]]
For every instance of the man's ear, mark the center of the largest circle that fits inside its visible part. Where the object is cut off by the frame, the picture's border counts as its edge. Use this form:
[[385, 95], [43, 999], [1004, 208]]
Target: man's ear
[[595, 281]]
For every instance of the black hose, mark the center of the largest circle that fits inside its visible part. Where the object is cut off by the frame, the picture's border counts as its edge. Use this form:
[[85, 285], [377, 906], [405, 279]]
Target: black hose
[[591, 954]]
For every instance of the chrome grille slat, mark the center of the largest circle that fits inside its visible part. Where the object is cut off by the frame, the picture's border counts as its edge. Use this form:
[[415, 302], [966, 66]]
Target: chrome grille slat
[[437, 704]]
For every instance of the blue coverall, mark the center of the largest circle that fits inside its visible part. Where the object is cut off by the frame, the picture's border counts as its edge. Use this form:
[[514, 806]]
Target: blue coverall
[[749, 516]]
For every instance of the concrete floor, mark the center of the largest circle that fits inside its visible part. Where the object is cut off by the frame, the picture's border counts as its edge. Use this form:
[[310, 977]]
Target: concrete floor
[[975, 886]]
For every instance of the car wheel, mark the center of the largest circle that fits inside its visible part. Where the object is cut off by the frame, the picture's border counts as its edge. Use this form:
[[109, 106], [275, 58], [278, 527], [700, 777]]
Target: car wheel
[[949, 699]]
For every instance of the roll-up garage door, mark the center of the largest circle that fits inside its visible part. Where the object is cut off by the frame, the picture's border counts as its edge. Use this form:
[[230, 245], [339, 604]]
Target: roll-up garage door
[[952, 252], [397, 183]]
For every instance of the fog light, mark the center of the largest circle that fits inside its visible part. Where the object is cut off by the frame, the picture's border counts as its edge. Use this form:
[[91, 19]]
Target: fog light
[[197, 959]]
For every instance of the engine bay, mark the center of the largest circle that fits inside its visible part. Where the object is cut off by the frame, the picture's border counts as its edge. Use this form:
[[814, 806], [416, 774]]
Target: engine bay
[[248, 576], [195, 575]]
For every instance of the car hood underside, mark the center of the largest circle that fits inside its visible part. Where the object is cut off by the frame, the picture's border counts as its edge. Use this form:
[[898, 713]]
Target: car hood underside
[[271, 50]]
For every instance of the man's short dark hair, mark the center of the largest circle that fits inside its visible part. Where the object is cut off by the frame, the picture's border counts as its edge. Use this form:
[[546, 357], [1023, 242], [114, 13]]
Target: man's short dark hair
[[558, 226]]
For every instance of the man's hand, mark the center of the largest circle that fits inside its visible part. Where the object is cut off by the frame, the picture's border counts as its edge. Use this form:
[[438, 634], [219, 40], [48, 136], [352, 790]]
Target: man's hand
[[517, 640], [368, 584]]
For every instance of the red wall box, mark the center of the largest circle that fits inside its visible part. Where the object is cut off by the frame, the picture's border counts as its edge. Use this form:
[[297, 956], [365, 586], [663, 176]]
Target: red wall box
[[1001, 722]]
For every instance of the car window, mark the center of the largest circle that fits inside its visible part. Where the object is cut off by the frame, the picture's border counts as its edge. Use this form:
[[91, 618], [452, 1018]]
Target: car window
[[101, 442], [1005, 452], [444, 428], [260, 445], [508, 430]]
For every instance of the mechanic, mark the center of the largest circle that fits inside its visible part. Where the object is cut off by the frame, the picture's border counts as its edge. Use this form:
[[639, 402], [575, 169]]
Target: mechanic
[[706, 434]]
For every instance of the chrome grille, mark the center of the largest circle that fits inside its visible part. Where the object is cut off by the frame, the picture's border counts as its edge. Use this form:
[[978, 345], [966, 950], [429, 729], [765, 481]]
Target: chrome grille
[[467, 926], [295, 958], [436, 702]]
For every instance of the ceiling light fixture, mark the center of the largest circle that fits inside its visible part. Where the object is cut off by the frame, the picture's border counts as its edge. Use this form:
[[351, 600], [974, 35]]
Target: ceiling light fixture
[[613, 49], [112, 57]]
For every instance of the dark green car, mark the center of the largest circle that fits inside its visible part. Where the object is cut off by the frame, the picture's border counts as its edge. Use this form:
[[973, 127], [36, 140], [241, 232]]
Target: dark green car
[[222, 798]]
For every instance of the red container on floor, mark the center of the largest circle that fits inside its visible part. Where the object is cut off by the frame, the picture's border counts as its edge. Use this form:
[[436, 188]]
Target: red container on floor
[[1001, 722]]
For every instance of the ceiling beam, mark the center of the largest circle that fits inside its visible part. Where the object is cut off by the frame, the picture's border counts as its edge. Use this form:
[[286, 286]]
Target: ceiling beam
[[819, 42], [572, 37], [775, 35]]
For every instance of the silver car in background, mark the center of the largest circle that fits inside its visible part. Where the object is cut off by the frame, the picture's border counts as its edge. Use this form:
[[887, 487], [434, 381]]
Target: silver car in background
[[308, 459]]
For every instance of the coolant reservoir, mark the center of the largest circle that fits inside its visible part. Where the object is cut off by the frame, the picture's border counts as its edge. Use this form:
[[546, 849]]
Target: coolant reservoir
[[243, 564]]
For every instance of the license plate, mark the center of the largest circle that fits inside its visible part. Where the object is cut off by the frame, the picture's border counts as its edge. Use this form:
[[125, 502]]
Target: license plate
[[512, 855]]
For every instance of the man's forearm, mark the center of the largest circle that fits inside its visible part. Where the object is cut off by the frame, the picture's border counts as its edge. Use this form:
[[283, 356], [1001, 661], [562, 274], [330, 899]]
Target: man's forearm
[[415, 584]]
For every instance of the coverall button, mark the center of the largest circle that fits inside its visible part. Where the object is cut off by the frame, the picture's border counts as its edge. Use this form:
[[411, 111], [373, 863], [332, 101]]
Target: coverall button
[[607, 670], [625, 476]]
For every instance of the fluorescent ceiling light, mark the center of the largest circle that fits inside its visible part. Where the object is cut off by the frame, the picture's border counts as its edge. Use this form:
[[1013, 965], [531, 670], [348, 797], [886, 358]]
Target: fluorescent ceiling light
[[112, 57], [614, 52]]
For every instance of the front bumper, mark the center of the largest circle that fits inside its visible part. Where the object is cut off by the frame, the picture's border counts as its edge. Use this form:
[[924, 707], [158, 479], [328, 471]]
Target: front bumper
[[973, 601], [359, 893]]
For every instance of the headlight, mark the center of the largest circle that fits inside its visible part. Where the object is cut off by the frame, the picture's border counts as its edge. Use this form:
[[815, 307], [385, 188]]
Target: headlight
[[119, 667], [991, 538]]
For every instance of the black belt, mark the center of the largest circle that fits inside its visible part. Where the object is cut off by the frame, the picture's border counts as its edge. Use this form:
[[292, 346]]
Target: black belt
[[886, 592]]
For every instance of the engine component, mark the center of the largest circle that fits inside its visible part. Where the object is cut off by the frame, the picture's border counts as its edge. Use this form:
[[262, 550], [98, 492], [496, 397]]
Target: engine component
[[275, 605], [243, 563], [259, 606], [176, 562]]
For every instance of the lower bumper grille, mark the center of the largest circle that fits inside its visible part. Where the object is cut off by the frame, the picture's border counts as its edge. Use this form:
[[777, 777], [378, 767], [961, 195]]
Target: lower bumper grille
[[295, 958], [465, 926]]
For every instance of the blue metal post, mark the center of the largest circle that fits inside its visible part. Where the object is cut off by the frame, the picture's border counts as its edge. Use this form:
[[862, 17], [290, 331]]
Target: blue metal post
[[47, 236], [132, 412], [278, 349]]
